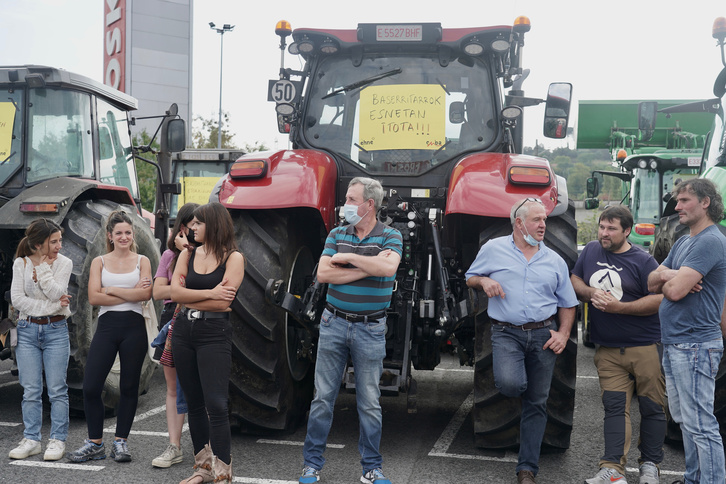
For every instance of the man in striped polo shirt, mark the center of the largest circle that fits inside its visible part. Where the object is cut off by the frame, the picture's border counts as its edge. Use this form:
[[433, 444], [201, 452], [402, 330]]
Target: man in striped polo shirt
[[359, 264]]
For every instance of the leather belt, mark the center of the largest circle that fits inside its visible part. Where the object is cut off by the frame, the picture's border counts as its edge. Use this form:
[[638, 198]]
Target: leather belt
[[46, 319], [194, 314], [355, 318], [526, 326]]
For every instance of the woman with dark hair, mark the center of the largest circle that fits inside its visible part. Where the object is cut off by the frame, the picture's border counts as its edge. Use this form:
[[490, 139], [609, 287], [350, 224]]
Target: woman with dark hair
[[119, 282], [201, 342], [176, 406], [39, 292]]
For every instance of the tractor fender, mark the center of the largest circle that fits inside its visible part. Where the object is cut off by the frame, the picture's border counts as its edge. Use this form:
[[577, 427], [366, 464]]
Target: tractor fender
[[291, 179], [479, 185], [63, 191]]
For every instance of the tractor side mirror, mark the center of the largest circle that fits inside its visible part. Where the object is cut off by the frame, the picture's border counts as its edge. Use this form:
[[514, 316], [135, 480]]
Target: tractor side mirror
[[557, 110], [647, 113], [176, 135], [592, 187]]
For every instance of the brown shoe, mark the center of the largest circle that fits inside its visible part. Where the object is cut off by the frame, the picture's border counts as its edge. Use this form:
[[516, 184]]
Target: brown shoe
[[202, 467], [525, 477], [222, 471]]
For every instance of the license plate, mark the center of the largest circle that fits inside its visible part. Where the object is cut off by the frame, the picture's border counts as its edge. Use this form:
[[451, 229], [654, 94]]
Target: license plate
[[399, 33]]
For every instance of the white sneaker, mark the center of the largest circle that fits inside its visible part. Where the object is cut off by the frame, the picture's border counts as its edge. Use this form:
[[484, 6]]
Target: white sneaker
[[172, 455], [606, 475], [55, 450], [25, 448], [649, 473]]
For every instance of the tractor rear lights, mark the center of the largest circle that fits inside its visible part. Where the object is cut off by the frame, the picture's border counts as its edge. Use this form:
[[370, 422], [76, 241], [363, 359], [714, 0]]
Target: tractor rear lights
[[473, 47], [248, 169], [510, 113], [43, 204], [645, 229], [305, 45], [329, 46], [529, 175]]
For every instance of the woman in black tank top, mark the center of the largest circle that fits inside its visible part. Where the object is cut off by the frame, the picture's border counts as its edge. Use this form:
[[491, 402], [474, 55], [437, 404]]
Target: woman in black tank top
[[206, 281]]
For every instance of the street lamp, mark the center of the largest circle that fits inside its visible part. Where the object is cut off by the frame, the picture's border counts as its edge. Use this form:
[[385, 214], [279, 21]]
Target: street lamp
[[225, 28]]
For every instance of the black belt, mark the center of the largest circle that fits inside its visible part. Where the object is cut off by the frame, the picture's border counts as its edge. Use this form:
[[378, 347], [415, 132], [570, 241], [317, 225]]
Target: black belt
[[355, 318], [46, 319], [526, 326], [194, 314]]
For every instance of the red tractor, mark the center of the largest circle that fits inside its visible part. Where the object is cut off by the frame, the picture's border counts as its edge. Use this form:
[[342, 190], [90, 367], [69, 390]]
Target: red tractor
[[424, 110]]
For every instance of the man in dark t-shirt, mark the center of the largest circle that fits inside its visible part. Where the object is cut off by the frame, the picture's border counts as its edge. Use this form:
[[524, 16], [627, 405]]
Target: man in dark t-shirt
[[611, 275]]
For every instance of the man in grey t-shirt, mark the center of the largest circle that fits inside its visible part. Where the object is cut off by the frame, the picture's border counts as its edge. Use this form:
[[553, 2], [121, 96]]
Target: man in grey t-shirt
[[692, 280]]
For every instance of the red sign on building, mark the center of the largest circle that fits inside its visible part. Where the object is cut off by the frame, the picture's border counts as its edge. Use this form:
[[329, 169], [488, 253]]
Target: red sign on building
[[114, 41]]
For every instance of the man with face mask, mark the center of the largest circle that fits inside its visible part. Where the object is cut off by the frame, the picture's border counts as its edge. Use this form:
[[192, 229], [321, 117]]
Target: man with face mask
[[359, 263], [532, 309], [611, 274]]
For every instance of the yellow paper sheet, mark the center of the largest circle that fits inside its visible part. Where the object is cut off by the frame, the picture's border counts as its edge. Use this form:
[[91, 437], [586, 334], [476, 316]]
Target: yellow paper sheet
[[406, 116]]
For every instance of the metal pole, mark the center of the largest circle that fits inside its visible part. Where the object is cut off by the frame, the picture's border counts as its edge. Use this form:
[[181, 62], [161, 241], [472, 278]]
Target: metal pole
[[221, 60]]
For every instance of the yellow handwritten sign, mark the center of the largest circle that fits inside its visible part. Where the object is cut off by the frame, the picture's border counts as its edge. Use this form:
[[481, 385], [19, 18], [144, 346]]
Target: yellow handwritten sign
[[196, 189], [7, 120], [402, 117]]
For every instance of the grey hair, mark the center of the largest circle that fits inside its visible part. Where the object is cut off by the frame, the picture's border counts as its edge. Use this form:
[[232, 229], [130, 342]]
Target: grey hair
[[520, 210], [372, 189]]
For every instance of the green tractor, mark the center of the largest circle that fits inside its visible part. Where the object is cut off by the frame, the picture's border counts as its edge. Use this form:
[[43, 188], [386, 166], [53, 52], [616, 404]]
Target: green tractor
[[66, 154], [650, 159], [713, 167]]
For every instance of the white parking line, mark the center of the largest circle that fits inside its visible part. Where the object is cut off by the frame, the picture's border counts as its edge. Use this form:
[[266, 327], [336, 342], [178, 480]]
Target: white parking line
[[112, 430], [291, 442], [7, 384], [441, 447], [56, 465], [9, 424], [140, 417], [250, 480]]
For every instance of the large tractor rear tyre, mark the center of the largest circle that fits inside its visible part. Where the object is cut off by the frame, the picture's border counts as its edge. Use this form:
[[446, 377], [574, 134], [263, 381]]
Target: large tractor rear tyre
[[84, 238], [496, 417], [669, 230], [272, 379]]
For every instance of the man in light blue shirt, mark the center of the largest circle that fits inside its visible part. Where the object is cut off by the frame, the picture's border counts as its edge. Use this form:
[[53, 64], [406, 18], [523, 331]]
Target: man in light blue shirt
[[532, 310]]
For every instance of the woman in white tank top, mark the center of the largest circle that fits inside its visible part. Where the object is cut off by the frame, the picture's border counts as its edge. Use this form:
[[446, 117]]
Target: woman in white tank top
[[119, 281]]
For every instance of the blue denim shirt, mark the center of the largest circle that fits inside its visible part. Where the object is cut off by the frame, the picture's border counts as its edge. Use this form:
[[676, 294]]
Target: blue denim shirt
[[533, 289]]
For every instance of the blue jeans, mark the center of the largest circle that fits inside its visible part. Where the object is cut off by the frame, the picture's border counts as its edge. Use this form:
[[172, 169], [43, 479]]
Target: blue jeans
[[690, 371], [366, 345], [44, 347], [523, 369]]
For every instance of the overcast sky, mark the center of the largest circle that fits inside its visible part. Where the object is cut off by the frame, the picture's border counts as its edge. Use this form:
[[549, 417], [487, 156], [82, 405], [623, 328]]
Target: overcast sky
[[616, 49]]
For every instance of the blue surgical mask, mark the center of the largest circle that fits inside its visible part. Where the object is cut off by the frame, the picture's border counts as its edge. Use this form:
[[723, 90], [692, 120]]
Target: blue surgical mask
[[529, 239], [351, 214]]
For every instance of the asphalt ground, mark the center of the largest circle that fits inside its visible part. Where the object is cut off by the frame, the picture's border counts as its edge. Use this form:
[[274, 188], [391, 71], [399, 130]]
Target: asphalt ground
[[434, 445]]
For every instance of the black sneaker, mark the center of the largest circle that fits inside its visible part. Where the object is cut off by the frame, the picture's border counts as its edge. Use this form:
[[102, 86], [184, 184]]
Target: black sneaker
[[120, 451], [89, 451]]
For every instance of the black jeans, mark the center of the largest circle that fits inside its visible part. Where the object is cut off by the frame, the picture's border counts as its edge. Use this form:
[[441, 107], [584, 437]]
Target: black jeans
[[203, 358], [122, 332]]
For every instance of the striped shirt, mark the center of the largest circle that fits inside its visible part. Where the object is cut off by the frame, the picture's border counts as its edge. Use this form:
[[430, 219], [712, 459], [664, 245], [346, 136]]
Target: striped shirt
[[370, 294]]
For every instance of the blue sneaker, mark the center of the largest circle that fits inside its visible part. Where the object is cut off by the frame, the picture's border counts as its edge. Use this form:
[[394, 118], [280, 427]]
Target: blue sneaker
[[309, 475], [89, 451], [374, 476], [120, 451]]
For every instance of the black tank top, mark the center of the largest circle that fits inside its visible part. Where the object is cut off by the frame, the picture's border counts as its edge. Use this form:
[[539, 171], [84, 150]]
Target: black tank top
[[204, 281]]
